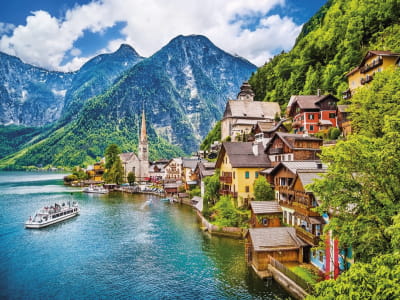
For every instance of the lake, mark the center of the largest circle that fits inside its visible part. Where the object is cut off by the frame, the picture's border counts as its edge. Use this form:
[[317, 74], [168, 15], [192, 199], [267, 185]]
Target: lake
[[119, 247]]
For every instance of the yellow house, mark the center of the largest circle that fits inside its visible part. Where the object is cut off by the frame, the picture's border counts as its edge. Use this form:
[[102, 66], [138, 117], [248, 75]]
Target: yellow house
[[96, 172], [240, 165], [374, 61]]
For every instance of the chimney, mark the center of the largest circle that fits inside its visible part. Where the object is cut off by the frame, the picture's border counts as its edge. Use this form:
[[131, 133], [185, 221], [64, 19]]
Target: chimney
[[255, 148], [318, 92]]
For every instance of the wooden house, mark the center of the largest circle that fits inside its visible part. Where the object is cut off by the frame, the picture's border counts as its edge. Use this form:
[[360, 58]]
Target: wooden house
[[343, 118], [263, 131], [240, 165], [280, 243], [312, 113], [291, 147], [265, 214], [204, 169], [373, 62]]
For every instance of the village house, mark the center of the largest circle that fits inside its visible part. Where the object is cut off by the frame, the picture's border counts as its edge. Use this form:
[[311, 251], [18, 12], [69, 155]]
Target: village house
[[239, 165], [265, 214], [343, 119], [173, 169], [291, 147], [204, 169], [189, 177], [312, 113], [95, 172], [157, 170], [373, 62], [263, 131], [242, 114], [281, 243]]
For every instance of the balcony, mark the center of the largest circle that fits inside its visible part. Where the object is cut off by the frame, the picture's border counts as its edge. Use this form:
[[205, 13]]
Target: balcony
[[228, 193], [306, 236], [346, 94], [276, 151], [300, 201], [225, 179], [374, 64], [366, 79]]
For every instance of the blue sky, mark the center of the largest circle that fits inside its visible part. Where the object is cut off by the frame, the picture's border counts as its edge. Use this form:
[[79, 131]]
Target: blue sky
[[62, 35]]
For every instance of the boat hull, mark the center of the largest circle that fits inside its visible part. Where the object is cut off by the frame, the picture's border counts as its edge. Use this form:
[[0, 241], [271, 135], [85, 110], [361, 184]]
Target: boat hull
[[35, 225]]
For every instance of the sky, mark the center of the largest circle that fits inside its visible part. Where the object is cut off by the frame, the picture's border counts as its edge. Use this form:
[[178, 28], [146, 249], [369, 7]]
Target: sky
[[63, 35]]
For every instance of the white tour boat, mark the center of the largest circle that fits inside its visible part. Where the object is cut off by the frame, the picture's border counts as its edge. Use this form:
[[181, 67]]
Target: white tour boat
[[53, 214], [95, 189]]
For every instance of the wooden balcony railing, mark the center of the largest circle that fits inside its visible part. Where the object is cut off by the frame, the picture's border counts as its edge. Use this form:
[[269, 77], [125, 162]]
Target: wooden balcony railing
[[375, 63], [228, 193], [276, 151], [306, 236], [225, 179]]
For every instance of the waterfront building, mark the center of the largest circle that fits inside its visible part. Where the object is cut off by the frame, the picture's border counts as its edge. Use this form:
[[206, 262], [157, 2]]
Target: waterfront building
[[173, 169], [96, 172], [281, 243], [204, 169], [242, 114], [312, 113], [157, 170], [189, 177], [240, 165]]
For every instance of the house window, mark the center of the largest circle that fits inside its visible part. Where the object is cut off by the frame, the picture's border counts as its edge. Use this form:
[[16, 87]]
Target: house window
[[233, 175], [289, 157], [321, 256], [256, 174], [332, 115], [311, 127], [247, 175], [311, 117], [247, 189], [265, 221]]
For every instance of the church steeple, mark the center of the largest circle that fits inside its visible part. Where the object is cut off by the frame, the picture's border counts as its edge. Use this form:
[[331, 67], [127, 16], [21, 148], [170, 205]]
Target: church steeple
[[143, 133]]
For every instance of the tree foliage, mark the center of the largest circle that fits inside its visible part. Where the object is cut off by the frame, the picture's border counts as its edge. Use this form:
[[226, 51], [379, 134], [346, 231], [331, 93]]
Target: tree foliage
[[212, 136], [263, 190], [332, 43], [225, 214], [114, 171], [131, 178], [361, 190]]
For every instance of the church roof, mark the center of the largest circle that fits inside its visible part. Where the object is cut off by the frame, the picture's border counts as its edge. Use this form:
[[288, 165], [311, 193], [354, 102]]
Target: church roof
[[125, 157], [251, 109]]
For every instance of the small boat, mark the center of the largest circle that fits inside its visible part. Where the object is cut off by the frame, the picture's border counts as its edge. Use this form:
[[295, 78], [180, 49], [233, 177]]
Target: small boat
[[165, 200], [53, 214], [95, 189]]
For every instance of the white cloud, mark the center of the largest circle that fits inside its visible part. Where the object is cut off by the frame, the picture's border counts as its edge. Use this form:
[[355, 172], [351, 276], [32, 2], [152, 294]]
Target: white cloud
[[6, 28], [150, 24]]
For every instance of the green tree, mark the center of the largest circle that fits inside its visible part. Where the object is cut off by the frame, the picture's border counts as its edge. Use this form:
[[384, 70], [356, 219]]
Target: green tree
[[114, 171], [131, 178], [211, 192], [263, 190]]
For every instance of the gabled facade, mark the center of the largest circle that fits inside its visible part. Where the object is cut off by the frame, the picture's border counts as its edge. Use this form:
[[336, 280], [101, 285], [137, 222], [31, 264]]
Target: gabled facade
[[263, 131], [292, 147], [240, 165], [242, 114], [173, 169], [343, 118], [373, 62], [189, 177], [265, 214], [312, 113], [204, 169]]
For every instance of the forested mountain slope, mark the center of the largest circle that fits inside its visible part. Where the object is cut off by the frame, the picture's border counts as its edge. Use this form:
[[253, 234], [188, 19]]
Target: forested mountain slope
[[331, 43]]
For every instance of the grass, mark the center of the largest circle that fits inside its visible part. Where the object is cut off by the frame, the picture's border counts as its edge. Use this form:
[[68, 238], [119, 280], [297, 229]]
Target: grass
[[305, 274]]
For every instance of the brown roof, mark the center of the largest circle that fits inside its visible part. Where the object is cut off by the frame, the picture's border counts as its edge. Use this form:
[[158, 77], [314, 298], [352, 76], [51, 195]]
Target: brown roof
[[342, 107], [293, 166], [206, 168], [308, 176], [290, 138], [241, 155], [275, 238], [265, 207]]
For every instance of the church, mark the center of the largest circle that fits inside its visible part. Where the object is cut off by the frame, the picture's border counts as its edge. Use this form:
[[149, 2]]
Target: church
[[138, 164]]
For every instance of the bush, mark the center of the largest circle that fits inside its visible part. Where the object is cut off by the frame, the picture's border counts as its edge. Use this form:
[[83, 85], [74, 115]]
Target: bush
[[333, 133]]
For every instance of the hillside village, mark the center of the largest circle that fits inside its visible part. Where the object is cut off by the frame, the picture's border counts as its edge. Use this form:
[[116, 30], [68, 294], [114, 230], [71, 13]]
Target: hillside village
[[259, 140]]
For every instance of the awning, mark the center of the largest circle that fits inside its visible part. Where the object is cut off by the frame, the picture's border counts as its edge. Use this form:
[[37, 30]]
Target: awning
[[316, 220]]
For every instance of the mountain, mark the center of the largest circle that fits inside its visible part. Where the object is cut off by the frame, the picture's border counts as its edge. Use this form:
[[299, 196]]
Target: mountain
[[183, 89], [331, 43], [33, 96], [30, 95]]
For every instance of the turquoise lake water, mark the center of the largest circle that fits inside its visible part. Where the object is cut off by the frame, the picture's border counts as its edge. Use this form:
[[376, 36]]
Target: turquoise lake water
[[117, 248]]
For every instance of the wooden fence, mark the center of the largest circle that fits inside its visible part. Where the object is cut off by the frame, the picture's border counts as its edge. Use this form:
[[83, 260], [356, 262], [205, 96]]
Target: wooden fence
[[287, 272]]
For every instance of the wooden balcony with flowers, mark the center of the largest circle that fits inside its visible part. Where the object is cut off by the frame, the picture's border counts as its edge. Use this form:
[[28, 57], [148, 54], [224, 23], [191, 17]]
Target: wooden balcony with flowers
[[224, 192], [300, 201]]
